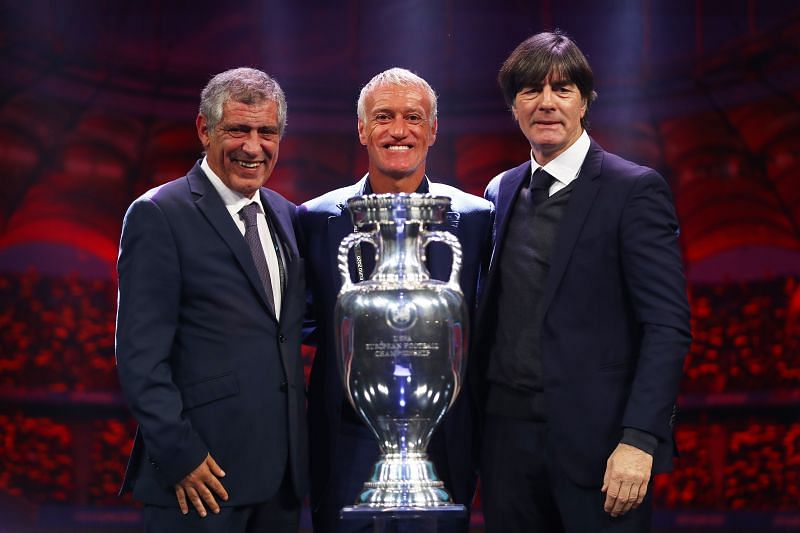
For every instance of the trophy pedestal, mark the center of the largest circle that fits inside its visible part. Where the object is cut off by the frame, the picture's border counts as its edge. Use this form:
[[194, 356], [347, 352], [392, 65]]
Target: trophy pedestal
[[403, 481], [402, 519]]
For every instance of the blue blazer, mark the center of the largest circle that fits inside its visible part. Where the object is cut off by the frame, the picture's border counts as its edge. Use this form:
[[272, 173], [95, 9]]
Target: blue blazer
[[325, 221], [616, 319], [204, 364]]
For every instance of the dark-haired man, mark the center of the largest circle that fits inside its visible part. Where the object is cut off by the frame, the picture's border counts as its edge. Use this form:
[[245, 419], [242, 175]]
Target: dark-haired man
[[211, 304], [584, 324]]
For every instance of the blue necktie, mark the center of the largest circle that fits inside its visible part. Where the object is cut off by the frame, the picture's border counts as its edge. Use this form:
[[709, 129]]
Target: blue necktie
[[249, 214]]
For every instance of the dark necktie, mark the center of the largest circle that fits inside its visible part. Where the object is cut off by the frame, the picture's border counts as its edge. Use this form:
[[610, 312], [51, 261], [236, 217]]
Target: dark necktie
[[540, 186], [249, 214]]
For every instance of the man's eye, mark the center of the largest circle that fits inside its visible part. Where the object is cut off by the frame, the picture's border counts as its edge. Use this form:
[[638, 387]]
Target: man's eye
[[382, 117], [267, 133], [236, 132], [414, 119]]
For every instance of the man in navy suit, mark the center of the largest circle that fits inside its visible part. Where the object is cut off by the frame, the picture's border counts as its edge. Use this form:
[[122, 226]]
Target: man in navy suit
[[211, 306], [584, 322], [397, 123]]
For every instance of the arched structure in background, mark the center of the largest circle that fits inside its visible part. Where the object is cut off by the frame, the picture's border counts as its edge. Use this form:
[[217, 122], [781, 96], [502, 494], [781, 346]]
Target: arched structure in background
[[97, 105], [724, 198]]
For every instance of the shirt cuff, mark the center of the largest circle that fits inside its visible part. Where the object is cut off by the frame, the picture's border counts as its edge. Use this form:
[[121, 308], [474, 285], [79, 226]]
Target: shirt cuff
[[637, 438]]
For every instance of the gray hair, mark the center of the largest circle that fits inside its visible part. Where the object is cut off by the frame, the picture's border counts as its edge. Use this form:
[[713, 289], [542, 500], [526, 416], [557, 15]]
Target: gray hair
[[396, 76], [244, 85]]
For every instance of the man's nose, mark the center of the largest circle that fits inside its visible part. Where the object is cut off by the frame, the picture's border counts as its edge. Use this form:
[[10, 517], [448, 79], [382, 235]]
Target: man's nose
[[252, 142], [398, 127], [547, 97]]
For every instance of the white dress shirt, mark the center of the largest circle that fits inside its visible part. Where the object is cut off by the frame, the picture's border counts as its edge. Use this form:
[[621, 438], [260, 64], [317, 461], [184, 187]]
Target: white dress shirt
[[566, 167], [234, 202]]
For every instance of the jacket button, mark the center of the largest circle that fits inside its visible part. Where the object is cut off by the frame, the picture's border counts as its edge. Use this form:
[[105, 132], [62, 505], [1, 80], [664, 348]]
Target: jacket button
[[284, 386], [281, 338]]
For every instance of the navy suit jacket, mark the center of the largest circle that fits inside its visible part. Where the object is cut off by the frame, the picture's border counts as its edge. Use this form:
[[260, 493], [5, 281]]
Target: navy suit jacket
[[615, 326], [203, 362], [325, 221]]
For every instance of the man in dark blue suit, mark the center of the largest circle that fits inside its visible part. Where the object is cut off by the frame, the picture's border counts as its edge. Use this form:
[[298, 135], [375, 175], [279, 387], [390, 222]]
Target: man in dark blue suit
[[211, 307], [584, 322], [397, 123]]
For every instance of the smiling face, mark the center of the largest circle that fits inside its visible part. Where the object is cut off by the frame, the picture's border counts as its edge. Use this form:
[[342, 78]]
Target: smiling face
[[242, 148], [397, 133], [549, 116]]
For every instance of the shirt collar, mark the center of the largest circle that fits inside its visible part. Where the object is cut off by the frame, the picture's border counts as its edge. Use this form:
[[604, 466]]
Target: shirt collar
[[234, 201], [424, 186], [566, 167]]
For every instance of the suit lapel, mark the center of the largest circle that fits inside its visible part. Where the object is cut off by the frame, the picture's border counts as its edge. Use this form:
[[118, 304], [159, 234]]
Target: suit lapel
[[212, 207], [282, 223], [284, 231], [506, 196], [585, 190], [283, 227]]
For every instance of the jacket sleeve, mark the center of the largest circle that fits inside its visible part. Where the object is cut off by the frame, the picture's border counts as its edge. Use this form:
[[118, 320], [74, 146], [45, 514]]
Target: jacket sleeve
[[147, 324], [653, 273]]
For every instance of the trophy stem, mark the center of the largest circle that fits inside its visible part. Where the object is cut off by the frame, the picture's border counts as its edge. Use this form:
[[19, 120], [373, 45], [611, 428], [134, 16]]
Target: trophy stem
[[403, 480]]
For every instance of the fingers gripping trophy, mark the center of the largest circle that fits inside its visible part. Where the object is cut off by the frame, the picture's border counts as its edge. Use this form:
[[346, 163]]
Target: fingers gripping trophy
[[400, 338]]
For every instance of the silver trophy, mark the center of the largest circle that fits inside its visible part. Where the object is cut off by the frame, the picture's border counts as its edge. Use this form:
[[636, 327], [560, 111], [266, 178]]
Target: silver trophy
[[400, 338]]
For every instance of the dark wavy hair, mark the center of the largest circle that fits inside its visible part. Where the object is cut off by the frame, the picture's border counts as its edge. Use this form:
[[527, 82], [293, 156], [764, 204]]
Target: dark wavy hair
[[541, 55]]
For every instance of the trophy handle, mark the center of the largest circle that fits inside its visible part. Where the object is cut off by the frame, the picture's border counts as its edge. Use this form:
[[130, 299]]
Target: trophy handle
[[455, 246], [344, 250]]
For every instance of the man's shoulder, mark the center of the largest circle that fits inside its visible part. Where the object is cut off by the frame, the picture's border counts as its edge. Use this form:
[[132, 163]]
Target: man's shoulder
[[494, 183], [167, 194], [178, 188], [461, 201], [331, 202], [624, 173], [611, 163], [618, 164], [276, 199], [165, 202]]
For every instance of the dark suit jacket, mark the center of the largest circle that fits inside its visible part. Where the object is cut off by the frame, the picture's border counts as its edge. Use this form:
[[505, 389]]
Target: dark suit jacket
[[325, 221], [203, 362], [615, 326]]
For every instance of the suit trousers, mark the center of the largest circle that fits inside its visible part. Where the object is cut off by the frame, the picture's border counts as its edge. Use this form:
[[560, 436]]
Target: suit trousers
[[524, 488], [279, 514], [356, 452]]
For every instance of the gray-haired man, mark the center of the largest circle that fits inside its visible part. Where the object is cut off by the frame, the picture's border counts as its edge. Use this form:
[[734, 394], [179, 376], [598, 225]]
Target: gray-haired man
[[397, 124], [211, 303]]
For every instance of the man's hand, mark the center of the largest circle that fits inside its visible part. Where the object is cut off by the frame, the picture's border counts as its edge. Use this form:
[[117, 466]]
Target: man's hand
[[198, 485], [625, 481]]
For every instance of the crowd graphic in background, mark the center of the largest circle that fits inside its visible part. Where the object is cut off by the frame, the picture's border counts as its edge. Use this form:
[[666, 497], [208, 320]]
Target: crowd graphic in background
[[59, 339]]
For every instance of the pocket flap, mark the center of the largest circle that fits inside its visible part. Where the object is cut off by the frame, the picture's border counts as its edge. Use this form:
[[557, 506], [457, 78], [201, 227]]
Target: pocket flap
[[210, 390]]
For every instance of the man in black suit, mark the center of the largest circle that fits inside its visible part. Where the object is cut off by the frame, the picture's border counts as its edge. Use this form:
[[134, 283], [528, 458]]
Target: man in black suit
[[584, 323], [397, 123], [211, 305]]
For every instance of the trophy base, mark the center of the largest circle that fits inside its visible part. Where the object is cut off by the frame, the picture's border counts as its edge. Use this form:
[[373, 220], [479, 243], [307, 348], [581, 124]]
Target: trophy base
[[403, 480], [450, 517]]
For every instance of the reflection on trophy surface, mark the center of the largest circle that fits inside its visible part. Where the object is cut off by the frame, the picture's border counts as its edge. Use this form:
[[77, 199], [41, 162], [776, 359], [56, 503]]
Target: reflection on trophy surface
[[401, 342]]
